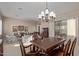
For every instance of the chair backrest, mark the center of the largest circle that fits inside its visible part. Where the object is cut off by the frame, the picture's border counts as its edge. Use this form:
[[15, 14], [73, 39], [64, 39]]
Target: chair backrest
[[36, 36], [71, 52], [22, 47], [66, 48], [1, 48]]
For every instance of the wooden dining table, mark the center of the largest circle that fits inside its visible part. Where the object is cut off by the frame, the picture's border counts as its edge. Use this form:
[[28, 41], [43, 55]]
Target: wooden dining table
[[47, 43]]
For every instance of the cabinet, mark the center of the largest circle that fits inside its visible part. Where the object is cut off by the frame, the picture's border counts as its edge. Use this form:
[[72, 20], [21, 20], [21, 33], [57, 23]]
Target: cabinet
[[61, 28]]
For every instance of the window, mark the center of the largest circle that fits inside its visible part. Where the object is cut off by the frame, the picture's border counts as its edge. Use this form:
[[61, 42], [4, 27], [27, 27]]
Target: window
[[66, 27], [71, 27]]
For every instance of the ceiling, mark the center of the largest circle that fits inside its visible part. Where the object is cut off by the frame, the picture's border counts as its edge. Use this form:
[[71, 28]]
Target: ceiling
[[30, 10]]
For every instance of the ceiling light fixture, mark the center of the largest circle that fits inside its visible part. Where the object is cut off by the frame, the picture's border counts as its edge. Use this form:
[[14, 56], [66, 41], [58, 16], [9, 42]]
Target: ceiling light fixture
[[46, 15], [20, 8]]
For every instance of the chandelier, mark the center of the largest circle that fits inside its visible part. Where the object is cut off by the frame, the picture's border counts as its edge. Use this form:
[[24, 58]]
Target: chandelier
[[46, 15]]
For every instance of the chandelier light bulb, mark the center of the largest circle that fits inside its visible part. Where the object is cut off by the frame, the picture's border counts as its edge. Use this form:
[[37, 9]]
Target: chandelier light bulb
[[42, 13], [39, 16], [51, 13], [54, 15], [46, 11]]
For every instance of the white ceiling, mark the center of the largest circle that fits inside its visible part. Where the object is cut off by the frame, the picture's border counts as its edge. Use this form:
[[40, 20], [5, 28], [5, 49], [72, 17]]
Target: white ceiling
[[30, 10]]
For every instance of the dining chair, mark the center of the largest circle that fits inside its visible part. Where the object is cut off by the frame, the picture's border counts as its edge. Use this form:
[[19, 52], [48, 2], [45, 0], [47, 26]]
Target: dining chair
[[1, 49], [71, 51], [60, 47], [24, 52], [63, 52], [67, 47]]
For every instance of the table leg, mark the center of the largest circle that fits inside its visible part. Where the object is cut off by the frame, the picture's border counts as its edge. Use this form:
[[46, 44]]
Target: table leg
[[34, 48]]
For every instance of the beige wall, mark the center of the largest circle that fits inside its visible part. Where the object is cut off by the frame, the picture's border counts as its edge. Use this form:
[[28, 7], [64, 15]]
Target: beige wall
[[8, 23]]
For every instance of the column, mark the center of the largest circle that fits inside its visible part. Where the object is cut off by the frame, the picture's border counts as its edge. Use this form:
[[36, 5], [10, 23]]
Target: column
[[51, 27]]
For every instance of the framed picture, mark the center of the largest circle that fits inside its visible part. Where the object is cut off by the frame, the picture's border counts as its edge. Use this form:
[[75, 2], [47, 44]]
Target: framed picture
[[26, 28], [14, 28], [20, 28]]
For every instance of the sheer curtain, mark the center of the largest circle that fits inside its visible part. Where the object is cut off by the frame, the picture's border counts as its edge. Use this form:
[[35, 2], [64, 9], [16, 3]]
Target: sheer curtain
[[71, 28]]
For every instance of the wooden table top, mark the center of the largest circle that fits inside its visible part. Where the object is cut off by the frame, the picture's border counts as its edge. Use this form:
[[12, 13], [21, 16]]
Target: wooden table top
[[47, 43]]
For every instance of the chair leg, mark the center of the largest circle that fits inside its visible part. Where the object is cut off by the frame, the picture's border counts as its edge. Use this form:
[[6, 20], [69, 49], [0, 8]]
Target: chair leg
[[37, 48], [33, 48], [72, 53], [30, 48]]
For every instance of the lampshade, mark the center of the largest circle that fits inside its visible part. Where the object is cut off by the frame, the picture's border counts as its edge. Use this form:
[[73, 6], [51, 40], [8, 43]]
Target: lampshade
[[46, 11], [39, 16], [42, 13], [52, 14]]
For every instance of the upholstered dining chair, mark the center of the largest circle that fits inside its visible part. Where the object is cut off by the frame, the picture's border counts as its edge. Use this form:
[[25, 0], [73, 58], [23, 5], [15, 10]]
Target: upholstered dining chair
[[63, 52], [24, 51], [71, 51], [1, 48]]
